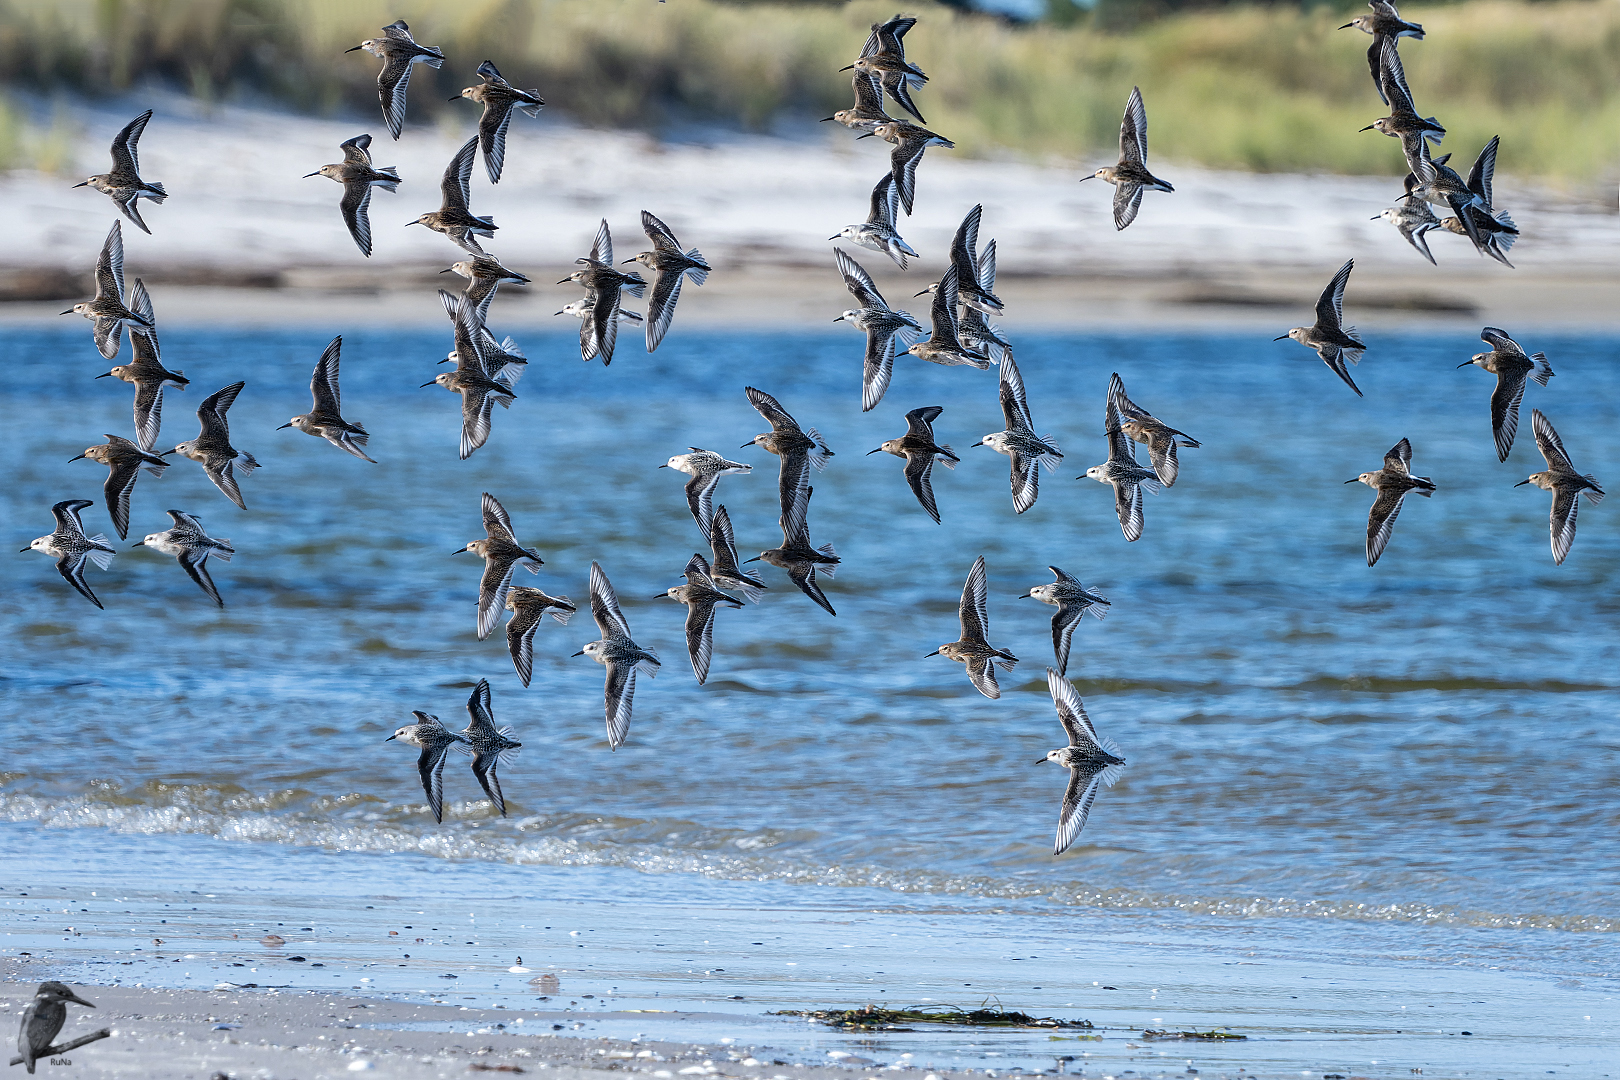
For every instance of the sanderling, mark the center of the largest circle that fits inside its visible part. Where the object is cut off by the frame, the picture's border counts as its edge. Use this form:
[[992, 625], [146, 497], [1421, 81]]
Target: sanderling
[[501, 554], [1128, 478], [212, 447], [528, 606], [1392, 483], [358, 177], [725, 571], [499, 98], [882, 325], [974, 650], [1093, 763], [435, 741], [503, 361], [868, 111], [1495, 229], [909, 142], [1412, 216], [1560, 478], [488, 745], [878, 231], [107, 311], [479, 391], [398, 51], [582, 309], [453, 218], [1403, 121], [974, 328], [1385, 22], [619, 654], [124, 461], [189, 542], [325, 419], [705, 467], [484, 276], [1160, 438], [1333, 341], [1072, 600], [1508, 362], [799, 450], [42, 1021], [124, 183], [797, 556], [607, 286], [700, 594], [670, 266], [1131, 176], [1019, 442], [944, 345], [70, 547], [919, 450]]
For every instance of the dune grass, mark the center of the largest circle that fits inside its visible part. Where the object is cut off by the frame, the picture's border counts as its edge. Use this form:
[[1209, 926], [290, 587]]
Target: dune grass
[[1263, 88]]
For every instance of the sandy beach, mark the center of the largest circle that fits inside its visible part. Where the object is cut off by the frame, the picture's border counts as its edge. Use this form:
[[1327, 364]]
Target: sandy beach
[[251, 242]]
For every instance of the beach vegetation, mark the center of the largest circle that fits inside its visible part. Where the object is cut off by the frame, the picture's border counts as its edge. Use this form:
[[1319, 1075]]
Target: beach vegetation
[[879, 1018]]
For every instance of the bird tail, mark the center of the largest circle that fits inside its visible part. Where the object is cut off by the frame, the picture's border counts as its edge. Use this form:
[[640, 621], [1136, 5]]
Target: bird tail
[[1594, 494], [223, 550], [155, 192], [433, 58], [103, 556], [1100, 608], [531, 110], [511, 348], [1425, 486], [562, 615], [698, 274], [751, 592], [949, 458], [1543, 370], [1151, 485], [245, 463], [1436, 134], [818, 453], [388, 185]]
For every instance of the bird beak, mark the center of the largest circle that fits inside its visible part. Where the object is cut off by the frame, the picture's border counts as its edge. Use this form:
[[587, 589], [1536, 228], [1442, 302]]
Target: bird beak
[[1283, 338], [456, 98], [580, 653], [824, 119], [1369, 127], [357, 48], [458, 551], [392, 737], [434, 382], [923, 293], [746, 445], [756, 558], [868, 135], [286, 425], [69, 311], [661, 596], [408, 224], [849, 68], [833, 238], [77, 1000], [626, 262], [85, 184], [1521, 483], [447, 269], [21, 550], [1465, 363], [307, 175], [446, 360], [564, 281], [1025, 596], [166, 453], [104, 374], [142, 544], [879, 450], [1093, 176], [1375, 217], [556, 313], [75, 458], [1043, 761], [1353, 480], [1347, 26], [934, 653], [663, 466]]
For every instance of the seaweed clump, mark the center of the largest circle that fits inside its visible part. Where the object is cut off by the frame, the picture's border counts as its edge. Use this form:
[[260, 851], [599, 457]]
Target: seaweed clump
[[879, 1018], [1195, 1036]]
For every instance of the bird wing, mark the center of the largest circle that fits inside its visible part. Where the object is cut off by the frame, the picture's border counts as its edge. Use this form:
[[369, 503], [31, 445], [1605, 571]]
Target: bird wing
[[1127, 201], [700, 499], [1077, 800], [919, 422], [1026, 477], [965, 246], [858, 281], [919, 467], [1499, 340], [356, 151], [1014, 402], [618, 691], [1505, 401], [1399, 458], [125, 155], [605, 606], [497, 523], [355, 206], [492, 127], [71, 567], [898, 84], [903, 161], [803, 575], [1392, 79], [722, 541], [1381, 521], [68, 522], [700, 637], [223, 474], [392, 82], [492, 586], [1120, 446], [1128, 505], [868, 95], [477, 411], [661, 308], [213, 409], [323, 384], [973, 610], [430, 766], [793, 494], [148, 412], [140, 303], [773, 413], [1482, 175], [108, 335], [1071, 711], [1064, 620], [1562, 520], [1330, 307], [121, 477], [1333, 357], [942, 312], [1133, 131], [659, 233], [604, 321], [484, 763], [195, 561], [1548, 442], [981, 672], [480, 718], [457, 182], [110, 265], [877, 368], [987, 268], [1162, 456], [520, 639], [602, 247], [1127, 407]]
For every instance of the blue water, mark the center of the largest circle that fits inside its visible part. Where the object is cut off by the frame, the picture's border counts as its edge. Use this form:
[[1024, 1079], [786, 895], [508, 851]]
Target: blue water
[[1432, 740]]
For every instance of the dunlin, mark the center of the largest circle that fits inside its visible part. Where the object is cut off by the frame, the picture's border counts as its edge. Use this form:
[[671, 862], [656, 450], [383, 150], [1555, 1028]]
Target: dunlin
[[357, 176], [701, 595], [1403, 121], [882, 325], [1560, 478], [909, 142], [725, 571], [398, 51], [607, 286], [919, 450], [435, 741], [146, 372], [670, 265], [973, 649], [974, 328], [705, 467], [453, 218], [501, 554], [883, 58], [965, 258], [124, 461], [799, 450], [528, 607], [325, 419], [1512, 368], [878, 231], [1334, 342], [503, 361], [1128, 478], [797, 556], [488, 745], [619, 654], [70, 547], [212, 447], [124, 184], [1019, 442], [868, 111], [944, 344], [1093, 763], [107, 311], [1072, 600], [1384, 23], [1131, 176], [484, 276], [1160, 438], [190, 543], [479, 391], [1392, 483], [499, 98], [1434, 181], [1495, 229]]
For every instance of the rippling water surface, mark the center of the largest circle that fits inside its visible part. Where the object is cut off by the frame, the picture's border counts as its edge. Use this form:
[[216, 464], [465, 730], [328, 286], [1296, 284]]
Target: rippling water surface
[[1433, 739]]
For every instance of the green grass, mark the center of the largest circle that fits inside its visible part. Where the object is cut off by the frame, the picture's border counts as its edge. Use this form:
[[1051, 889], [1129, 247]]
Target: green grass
[[1264, 88]]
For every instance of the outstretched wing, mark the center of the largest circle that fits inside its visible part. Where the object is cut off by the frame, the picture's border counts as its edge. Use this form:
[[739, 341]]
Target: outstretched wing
[[1133, 131], [457, 182], [323, 385], [773, 413], [125, 153], [973, 610], [1330, 307], [659, 233], [497, 523], [1550, 445], [605, 607], [859, 282], [1381, 521]]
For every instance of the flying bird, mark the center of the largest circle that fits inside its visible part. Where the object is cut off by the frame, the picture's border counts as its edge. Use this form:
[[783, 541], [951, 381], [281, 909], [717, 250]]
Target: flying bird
[[974, 327], [1131, 176], [868, 111], [701, 595], [1412, 216], [124, 461], [212, 447], [1512, 368], [398, 51], [725, 571], [617, 652], [1385, 23], [1334, 342], [1403, 121], [480, 391], [919, 450], [606, 286], [882, 325], [325, 419], [883, 59], [124, 184], [107, 311], [528, 607], [1494, 228], [190, 543], [1026, 451], [1072, 600], [146, 372], [944, 345], [1393, 482], [909, 142], [670, 266], [705, 467], [358, 177], [1093, 763], [878, 231], [501, 554], [435, 741], [799, 451], [488, 745], [499, 98], [484, 276], [798, 557], [1122, 471], [974, 650], [1560, 478], [453, 218], [70, 547], [1160, 438]]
